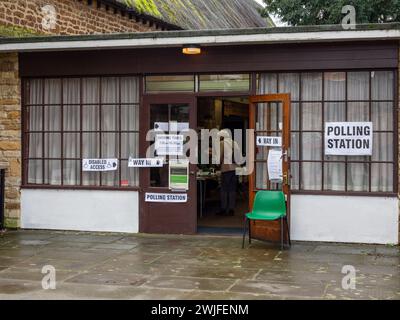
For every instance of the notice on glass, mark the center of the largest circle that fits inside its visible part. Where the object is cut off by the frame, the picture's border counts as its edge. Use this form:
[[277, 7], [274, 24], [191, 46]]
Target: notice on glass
[[179, 174], [275, 165], [348, 138], [99, 164], [169, 144]]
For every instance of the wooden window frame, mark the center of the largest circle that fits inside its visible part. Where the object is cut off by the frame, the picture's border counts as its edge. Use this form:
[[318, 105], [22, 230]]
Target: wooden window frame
[[346, 160], [26, 132]]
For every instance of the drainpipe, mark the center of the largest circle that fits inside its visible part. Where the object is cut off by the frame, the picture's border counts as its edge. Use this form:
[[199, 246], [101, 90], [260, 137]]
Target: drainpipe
[[2, 195]]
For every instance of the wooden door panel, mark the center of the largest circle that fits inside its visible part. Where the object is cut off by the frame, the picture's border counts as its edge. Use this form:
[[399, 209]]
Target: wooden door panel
[[166, 218]]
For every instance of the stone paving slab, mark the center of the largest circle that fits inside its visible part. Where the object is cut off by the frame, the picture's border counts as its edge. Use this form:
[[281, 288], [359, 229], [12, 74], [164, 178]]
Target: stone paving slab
[[122, 266], [190, 283]]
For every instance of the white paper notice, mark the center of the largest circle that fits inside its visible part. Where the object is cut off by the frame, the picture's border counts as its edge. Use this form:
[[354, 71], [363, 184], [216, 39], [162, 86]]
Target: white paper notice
[[275, 164], [173, 126], [178, 126], [161, 126], [169, 144], [99, 164]]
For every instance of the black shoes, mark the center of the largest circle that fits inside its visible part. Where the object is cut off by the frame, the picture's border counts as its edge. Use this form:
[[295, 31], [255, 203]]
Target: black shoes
[[231, 213]]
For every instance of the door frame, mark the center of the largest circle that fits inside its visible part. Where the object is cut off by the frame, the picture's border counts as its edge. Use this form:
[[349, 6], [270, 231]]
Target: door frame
[[285, 99], [144, 173]]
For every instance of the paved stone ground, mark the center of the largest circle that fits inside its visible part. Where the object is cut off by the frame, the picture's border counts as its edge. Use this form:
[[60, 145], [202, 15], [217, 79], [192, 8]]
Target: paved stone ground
[[115, 266]]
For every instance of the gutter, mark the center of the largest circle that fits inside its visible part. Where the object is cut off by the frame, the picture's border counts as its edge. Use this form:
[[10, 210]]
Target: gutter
[[149, 41]]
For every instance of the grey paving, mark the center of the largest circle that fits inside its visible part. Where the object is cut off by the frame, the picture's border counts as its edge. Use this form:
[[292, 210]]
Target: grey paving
[[118, 266]]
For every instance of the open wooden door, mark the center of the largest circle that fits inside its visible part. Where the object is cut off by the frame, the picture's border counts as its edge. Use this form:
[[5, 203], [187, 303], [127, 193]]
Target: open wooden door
[[270, 120]]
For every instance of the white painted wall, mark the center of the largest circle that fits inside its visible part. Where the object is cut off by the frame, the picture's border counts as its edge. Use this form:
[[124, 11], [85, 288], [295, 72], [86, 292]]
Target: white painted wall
[[345, 219], [83, 210], [314, 218]]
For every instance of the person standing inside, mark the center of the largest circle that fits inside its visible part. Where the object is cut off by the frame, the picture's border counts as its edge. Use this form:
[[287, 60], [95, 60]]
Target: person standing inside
[[229, 180]]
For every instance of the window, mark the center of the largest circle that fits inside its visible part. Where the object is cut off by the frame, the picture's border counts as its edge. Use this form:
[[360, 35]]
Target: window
[[71, 119], [320, 97], [224, 82], [156, 84], [198, 83]]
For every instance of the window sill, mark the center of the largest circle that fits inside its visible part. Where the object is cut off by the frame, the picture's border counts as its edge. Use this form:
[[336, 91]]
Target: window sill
[[348, 193], [94, 188]]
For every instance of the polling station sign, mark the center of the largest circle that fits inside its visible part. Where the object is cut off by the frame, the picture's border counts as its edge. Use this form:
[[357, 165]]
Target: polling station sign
[[348, 138], [99, 164], [166, 197]]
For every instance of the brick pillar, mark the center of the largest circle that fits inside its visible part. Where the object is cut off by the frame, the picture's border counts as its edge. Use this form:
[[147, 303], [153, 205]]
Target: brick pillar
[[10, 135], [398, 133]]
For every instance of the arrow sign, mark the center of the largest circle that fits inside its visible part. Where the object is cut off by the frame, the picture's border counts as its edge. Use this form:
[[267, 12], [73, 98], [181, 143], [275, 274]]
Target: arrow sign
[[145, 163], [265, 141]]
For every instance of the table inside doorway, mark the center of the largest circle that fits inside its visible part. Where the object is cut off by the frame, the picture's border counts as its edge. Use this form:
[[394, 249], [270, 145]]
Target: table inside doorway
[[202, 178]]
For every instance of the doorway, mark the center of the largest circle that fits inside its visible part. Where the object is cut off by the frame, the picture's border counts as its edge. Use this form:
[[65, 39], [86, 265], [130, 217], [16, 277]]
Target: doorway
[[221, 209]]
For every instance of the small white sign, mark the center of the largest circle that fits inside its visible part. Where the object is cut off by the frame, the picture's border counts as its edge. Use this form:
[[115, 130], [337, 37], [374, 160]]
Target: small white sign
[[161, 126], [275, 165], [146, 163], [172, 126], [178, 126], [265, 141], [169, 144], [166, 197], [99, 164], [348, 138]]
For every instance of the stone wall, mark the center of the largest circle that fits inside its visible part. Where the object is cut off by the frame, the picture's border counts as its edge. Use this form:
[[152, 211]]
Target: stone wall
[[72, 17], [10, 135]]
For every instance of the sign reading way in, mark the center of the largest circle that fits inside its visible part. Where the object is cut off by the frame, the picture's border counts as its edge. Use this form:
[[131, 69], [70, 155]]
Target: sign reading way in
[[348, 138], [99, 164], [264, 141], [169, 144], [145, 163], [166, 197]]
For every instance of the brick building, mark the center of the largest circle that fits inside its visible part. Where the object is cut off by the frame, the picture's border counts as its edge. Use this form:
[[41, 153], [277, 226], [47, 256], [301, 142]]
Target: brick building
[[68, 100], [24, 18]]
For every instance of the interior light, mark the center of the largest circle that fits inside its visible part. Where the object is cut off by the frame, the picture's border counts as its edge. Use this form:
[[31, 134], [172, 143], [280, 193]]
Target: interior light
[[191, 49]]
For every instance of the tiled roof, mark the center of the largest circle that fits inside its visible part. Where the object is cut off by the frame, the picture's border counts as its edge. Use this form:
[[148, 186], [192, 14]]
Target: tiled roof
[[204, 14]]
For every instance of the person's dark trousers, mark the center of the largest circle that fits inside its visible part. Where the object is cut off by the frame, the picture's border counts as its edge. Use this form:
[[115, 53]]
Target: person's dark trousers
[[228, 190]]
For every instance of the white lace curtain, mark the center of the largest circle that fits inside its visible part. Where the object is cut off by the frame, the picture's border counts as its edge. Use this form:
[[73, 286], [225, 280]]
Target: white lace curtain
[[51, 142], [322, 98]]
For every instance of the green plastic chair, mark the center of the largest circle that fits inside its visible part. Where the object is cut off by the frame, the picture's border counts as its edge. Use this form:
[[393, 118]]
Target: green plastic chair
[[268, 205]]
